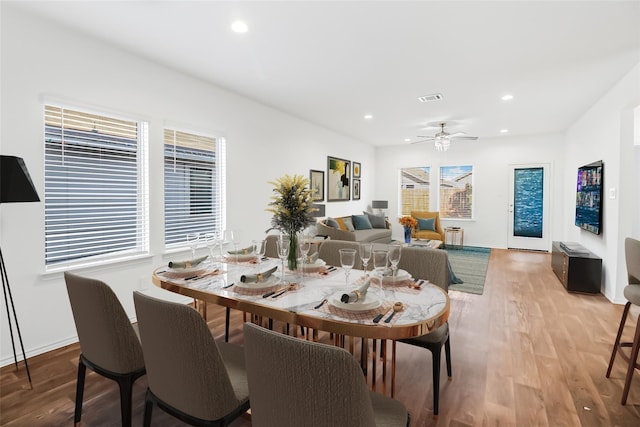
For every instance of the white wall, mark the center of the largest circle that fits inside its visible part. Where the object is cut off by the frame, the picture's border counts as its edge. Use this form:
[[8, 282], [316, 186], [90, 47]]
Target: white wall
[[42, 62], [490, 159], [606, 133]]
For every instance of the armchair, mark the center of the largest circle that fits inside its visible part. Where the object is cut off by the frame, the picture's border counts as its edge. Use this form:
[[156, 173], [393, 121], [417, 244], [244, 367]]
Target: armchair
[[435, 234]]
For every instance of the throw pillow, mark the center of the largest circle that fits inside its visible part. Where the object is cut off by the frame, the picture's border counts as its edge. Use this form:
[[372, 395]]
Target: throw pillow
[[349, 223], [361, 222], [377, 221], [331, 222], [427, 224]]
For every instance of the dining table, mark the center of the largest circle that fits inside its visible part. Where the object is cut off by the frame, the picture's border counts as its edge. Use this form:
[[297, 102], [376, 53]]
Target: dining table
[[313, 298]]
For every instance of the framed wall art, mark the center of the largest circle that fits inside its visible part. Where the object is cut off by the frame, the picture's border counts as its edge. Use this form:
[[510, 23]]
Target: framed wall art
[[316, 182], [356, 189], [338, 179], [356, 169]]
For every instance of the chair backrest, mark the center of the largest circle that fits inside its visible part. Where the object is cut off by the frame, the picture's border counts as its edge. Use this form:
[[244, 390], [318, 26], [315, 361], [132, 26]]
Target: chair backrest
[[184, 366], [632, 257], [107, 338], [329, 252], [428, 264], [293, 382], [427, 215]]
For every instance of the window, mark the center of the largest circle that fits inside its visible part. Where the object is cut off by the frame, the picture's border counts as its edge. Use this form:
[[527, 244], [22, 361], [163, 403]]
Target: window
[[193, 185], [414, 189], [456, 192], [95, 187]]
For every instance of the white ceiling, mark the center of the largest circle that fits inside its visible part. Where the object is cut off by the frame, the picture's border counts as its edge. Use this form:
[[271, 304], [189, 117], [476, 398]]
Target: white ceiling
[[333, 62]]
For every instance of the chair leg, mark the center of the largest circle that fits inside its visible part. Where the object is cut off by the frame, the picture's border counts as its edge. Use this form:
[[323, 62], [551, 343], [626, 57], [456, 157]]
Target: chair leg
[[447, 355], [226, 324], [82, 370], [148, 409], [435, 353], [126, 395], [633, 357], [617, 342]]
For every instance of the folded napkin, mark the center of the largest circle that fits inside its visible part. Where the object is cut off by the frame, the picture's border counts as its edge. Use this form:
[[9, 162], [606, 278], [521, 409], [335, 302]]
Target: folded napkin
[[357, 295], [311, 259], [186, 264], [245, 251], [260, 277]]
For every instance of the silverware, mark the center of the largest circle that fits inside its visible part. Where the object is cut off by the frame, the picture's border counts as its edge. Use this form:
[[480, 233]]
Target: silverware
[[279, 293], [397, 307], [228, 286], [321, 303], [378, 318], [268, 294]]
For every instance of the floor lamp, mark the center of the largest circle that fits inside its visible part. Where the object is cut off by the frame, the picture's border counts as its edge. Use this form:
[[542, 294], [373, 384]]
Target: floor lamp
[[15, 186]]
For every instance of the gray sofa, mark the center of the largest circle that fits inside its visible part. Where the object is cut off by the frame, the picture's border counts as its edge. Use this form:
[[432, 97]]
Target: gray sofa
[[343, 228]]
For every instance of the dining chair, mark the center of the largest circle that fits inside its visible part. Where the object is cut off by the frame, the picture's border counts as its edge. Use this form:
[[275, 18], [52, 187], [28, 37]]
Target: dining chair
[[191, 376], [413, 261], [294, 382], [632, 294], [109, 343], [329, 251]]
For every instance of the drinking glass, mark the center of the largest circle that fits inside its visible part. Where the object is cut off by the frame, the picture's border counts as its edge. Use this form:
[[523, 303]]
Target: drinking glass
[[211, 240], [283, 251], [347, 260], [229, 237], [395, 251], [192, 240], [365, 255], [259, 246], [380, 261], [304, 246]]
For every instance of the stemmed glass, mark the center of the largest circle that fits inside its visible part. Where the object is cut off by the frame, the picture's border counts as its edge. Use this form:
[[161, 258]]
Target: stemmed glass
[[211, 240], [283, 251], [259, 248], [394, 258], [347, 260], [380, 261], [365, 255], [229, 237], [304, 246], [192, 240]]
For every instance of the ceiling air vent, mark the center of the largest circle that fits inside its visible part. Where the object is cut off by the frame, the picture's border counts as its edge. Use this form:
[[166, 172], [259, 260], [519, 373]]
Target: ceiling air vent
[[430, 98]]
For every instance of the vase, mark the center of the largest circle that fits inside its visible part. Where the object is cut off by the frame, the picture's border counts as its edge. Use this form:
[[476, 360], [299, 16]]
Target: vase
[[292, 258], [407, 234]]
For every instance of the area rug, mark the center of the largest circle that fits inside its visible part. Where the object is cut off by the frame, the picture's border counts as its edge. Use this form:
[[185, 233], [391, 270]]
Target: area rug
[[469, 265]]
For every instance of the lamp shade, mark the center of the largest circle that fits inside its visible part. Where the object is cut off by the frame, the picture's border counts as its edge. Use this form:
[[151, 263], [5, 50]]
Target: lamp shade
[[320, 211], [15, 182], [379, 204]]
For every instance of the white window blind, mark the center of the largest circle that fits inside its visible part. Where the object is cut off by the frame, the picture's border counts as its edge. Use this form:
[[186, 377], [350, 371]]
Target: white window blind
[[456, 192], [95, 187], [414, 189], [193, 185]]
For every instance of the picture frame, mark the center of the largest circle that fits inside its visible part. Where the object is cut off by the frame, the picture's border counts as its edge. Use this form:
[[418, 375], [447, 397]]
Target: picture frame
[[357, 169], [356, 189], [316, 182], [338, 179]]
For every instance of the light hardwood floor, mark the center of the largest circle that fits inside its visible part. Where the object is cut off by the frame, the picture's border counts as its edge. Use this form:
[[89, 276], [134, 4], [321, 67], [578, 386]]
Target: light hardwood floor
[[525, 353]]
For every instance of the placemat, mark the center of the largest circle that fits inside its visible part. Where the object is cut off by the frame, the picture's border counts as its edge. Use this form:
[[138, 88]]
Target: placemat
[[365, 316]]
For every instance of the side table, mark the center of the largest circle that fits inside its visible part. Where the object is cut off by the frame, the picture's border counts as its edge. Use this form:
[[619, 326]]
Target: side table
[[457, 233]]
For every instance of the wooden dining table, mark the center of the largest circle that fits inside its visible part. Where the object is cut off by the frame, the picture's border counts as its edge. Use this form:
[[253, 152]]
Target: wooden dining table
[[312, 300]]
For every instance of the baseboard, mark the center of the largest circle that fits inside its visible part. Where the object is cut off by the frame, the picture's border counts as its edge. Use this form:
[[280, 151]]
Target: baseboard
[[38, 350]]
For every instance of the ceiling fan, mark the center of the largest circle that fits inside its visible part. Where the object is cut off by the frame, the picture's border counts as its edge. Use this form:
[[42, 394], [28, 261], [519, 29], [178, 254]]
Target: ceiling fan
[[443, 139]]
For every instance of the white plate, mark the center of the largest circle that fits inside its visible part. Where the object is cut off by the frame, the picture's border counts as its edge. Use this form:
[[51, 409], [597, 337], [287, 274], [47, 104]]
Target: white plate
[[371, 301], [271, 280], [198, 267], [318, 263], [400, 275], [241, 257]]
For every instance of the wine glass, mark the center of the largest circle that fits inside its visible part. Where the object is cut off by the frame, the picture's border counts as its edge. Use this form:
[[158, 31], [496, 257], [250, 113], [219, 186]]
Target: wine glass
[[395, 251], [304, 246], [347, 260], [211, 240], [365, 255], [192, 240], [380, 261], [229, 237], [259, 248], [283, 251]]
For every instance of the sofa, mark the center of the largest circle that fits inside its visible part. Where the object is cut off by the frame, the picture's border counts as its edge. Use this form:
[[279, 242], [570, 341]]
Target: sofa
[[429, 226], [366, 227]]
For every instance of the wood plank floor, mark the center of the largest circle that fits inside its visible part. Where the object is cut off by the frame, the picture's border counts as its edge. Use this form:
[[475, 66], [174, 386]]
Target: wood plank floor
[[525, 353]]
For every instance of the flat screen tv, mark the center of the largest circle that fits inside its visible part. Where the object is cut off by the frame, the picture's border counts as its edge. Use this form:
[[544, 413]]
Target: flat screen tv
[[589, 190]]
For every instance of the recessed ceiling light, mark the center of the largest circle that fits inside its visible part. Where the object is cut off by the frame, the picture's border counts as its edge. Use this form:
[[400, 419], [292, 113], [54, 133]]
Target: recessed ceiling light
[[407, 140], [368, 116], [504, 130], [239, 27], [507, 97]]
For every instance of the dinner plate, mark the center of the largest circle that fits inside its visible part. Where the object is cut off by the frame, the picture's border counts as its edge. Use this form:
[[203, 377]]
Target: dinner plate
[[241, 257], [370, 301], [198, 267], [400, 275], [318, 263], [270, 281]]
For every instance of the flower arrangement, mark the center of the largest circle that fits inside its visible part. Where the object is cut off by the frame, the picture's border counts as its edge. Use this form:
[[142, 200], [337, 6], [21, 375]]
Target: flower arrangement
[[408, 222], [291, 206]]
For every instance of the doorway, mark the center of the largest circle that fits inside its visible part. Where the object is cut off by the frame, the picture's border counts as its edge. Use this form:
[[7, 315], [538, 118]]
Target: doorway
[[529, 207]]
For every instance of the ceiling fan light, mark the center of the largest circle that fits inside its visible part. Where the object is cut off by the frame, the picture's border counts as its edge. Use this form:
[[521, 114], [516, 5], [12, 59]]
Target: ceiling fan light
[[442, 143]]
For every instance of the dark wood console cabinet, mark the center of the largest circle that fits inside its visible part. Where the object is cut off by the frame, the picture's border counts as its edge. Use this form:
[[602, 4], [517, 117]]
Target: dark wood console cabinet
[[578, 272]]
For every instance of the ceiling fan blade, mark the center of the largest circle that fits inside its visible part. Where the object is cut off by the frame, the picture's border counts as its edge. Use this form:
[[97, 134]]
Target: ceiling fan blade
[[464, 138], [428, 139]]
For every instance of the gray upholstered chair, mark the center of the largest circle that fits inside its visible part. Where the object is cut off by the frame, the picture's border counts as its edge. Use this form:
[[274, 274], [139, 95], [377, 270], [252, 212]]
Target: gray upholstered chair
[[296, 383], [329, 252], [109, 343], [190, 375], [435, 269], [632, 294]]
